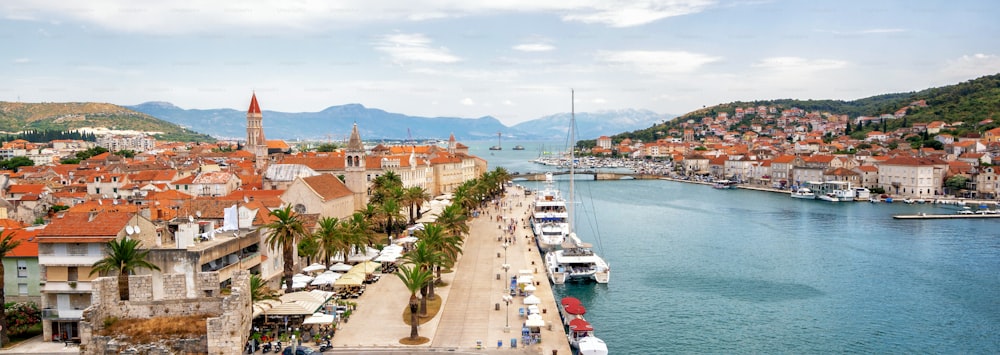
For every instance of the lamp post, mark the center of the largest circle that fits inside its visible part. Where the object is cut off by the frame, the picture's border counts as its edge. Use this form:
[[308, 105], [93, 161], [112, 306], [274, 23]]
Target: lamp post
[[506, 280]]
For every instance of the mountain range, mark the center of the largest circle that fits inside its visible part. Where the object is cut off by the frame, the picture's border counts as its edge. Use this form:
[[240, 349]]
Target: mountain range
[[335, 123]]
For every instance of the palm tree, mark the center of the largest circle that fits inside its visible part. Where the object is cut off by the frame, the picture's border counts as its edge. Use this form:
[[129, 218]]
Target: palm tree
[[424, 257], [259, 290], [330, 236], [123, 258], [414, 197], [413, 278], [449, 246], [453, 219], [7, 244], [389, 211], [309, 247], [286, 229]]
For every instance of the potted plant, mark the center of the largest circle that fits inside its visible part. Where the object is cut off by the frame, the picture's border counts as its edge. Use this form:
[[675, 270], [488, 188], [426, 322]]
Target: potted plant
[[72, 284]]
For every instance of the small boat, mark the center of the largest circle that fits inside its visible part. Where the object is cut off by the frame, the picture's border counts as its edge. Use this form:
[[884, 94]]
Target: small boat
[[497, 147], [518, 147], [829, 197], [571, 308], [581, 336], [724, 184], [803, 193]]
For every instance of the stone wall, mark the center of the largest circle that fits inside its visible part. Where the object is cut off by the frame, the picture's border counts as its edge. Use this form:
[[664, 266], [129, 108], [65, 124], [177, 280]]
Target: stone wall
[[225, 333]]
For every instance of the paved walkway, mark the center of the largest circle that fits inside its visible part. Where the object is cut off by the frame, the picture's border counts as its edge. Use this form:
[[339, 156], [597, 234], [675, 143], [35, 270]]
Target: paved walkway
[[36, 346], [468, 311]]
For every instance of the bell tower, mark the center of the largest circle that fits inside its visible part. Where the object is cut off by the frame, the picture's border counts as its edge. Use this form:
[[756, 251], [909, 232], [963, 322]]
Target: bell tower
[[255, 132], [354, 169]]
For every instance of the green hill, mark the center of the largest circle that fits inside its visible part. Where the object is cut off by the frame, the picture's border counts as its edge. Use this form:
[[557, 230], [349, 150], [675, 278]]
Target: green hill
[[17, 117], [970, 102]]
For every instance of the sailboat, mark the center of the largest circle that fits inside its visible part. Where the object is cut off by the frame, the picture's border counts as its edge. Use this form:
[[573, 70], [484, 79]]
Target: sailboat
[[497, 147], [577, 260]]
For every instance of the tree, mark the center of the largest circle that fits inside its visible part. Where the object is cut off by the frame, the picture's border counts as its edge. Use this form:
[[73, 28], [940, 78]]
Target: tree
[[16, 162], [259, 290], [7, 244], [452, 218], [326, 147], [414, 197], [124, 258], [389, 212], [330, 236], [125, 153], [309, 248], [413, 279], [448, 246], [424, 257], [286, 229], [956, 183]]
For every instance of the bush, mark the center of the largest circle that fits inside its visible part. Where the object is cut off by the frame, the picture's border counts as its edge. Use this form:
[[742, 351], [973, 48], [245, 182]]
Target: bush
[[21, 316]]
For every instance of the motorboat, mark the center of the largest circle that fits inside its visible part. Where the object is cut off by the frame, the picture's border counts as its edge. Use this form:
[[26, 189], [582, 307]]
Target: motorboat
[[518, 147], [829, 197], [724, 184], [571, 308], [549, 219], [497, 147], [592, 346], [581, 336], [576, 262], [804, 193]]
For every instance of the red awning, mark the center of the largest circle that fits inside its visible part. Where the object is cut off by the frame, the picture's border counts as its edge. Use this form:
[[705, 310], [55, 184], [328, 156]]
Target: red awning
[[575, 309], [565, 301], [580, 325]]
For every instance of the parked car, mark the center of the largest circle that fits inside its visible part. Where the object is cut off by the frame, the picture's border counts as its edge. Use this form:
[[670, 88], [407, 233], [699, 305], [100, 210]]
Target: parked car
[[301, 350]]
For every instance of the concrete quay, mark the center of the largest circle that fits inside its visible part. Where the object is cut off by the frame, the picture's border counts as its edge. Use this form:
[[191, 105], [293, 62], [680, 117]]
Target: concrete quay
[[468, 321]]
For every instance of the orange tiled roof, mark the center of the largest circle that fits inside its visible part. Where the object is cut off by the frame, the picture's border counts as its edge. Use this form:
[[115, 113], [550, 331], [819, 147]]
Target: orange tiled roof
[[327, 186], [28, 246], [75, 227]]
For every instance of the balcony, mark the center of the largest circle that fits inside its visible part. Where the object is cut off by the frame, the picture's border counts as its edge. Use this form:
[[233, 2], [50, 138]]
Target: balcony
[[67, 287], [62, 314], [68, 260]]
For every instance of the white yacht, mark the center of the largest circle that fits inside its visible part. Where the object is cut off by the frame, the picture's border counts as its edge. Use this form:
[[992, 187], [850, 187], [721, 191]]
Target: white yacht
[[576, 262], [581, 336], [829, 197], [549, 219]]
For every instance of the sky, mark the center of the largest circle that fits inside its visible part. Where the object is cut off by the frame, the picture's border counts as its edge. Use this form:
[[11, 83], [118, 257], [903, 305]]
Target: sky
[[514, 60]]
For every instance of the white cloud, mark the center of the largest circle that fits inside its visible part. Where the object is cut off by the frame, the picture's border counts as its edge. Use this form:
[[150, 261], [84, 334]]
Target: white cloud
[[508, 102], [467, 102], [658, 62], [600, 101], [190, 16], [413, 47], [534, 47], [22, 61], [626, 13], [970, 66], [799, 64]]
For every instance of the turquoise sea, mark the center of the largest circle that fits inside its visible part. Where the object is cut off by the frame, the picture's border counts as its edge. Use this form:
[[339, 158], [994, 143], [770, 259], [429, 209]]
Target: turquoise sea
[[700, 270]]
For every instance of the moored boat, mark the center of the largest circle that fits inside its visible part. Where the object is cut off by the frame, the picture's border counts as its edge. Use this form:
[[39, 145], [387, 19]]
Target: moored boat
[[549, 219], [576, 262], [829, 197], [724, 184], [518, 147], [803, 193]]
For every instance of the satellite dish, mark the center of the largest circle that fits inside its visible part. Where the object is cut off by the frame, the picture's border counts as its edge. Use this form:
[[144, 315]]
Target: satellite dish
[[136, 229], [197, 213], [245, 199], [190, 219], [100, 202], [128, 230]]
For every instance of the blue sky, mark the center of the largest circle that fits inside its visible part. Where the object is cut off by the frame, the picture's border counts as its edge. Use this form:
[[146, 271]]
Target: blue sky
[[514, 60]]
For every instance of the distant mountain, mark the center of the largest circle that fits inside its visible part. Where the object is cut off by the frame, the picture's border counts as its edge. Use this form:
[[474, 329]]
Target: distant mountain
[[335, 122], [19, 116], [590, 125]]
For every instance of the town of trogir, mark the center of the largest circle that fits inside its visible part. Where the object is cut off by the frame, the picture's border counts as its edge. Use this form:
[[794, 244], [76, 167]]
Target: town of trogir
[[544, 178]]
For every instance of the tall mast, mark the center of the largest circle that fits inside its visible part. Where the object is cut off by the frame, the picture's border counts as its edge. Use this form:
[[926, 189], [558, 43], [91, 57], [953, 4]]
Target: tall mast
[[572, 159]]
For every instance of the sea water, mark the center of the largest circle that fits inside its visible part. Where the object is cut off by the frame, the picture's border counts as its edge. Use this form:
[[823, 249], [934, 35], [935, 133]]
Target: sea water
[[701, 270]]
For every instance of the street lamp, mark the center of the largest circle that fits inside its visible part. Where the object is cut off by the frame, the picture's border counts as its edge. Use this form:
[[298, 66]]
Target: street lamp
[[506, 296]]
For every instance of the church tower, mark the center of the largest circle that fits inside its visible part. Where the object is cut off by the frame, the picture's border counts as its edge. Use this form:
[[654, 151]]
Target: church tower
[[354, 169], [255, 133]]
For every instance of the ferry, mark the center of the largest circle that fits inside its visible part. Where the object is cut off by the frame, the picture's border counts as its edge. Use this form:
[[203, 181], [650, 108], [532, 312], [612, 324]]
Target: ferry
[[576, 262]]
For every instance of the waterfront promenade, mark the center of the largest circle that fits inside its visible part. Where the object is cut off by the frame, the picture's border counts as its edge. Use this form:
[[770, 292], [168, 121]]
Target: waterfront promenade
[[468, 314]]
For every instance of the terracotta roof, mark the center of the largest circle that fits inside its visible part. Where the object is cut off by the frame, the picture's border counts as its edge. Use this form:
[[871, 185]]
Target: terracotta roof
[[35, 189], [327, 186], [28, 246], [783, 159], [277, 144], [868, 168], [331, 161], [215, 177], [75, 227]]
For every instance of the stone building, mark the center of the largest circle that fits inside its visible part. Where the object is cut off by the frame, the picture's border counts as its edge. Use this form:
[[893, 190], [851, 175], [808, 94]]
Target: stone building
[[228, 320]]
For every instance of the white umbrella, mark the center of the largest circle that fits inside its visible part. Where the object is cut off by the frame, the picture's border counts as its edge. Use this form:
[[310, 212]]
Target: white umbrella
[[326, 278], [314, 267], [534, 320], [340, 267], [529, 288], [318, 318], [405, 240], [301, 278], [532, 300]]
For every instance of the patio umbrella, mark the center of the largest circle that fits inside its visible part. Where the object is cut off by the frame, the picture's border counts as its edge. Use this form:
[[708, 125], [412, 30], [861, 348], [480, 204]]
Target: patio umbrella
[[340, 267], [314, 267], [326, 278], [318, 318]]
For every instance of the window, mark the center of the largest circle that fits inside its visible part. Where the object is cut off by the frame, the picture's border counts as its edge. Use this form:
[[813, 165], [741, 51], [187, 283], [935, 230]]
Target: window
[[22, 289], [71, 273], [22, 268]]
